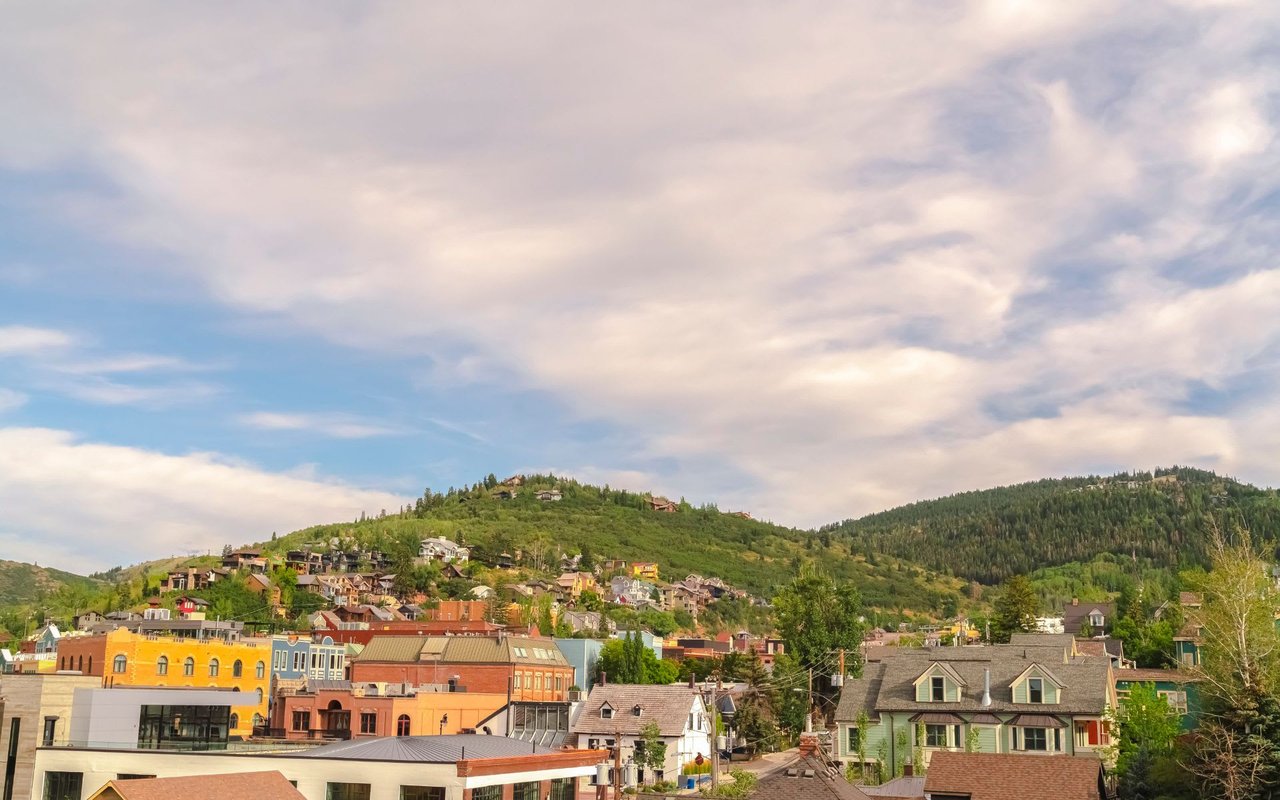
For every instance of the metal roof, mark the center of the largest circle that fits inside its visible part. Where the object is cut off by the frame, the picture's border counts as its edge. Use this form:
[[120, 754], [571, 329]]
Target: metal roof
[[428, 749]]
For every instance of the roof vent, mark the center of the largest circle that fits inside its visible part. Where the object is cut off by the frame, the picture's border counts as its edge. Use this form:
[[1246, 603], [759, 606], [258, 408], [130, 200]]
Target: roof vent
[[986, 688], [792, 772], [808, 773]]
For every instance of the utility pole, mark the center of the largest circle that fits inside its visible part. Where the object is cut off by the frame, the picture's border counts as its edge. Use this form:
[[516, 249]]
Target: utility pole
[[617, 765], [715, 749]]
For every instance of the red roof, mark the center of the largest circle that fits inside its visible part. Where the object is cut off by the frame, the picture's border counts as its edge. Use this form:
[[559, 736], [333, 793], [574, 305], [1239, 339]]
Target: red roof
[[1005, 776]]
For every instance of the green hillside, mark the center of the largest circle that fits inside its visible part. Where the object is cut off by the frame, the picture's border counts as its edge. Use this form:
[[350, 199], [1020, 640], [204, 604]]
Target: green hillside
[[25, 584], [1143, 522], [607, 523]]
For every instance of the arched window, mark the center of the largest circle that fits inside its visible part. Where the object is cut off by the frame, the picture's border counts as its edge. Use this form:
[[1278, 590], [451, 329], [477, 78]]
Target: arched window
[[234, 722], [261, 671], [162, 665], [188, 667], [90, 672], [213, 668], [237, 669], [119, 663], [402, 725], [81, 667]]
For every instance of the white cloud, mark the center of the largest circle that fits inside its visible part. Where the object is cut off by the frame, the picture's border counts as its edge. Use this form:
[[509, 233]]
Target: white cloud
[[86, 505], [24, 340], [338, 426], [9, 400], [805, 247]]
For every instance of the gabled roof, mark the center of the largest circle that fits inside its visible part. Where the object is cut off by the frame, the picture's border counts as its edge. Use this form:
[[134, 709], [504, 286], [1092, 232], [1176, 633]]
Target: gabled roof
[[1043, 671], [946, 669], [1005, 776], [889, 685], [232, 786], [668, 706]]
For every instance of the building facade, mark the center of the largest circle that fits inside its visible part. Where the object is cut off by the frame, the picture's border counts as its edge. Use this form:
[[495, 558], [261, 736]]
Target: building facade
[[35, 710], [527, 669]]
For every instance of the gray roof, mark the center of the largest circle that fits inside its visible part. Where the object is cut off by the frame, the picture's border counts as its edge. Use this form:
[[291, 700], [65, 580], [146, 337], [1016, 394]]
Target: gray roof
[[889, 684], [805, 778], [463, 650], [668, 706], [427, 749]]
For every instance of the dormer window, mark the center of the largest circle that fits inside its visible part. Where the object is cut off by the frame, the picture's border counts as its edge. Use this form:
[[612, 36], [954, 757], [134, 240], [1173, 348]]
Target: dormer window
[[1035, 690], [937, 688], [606, 711]]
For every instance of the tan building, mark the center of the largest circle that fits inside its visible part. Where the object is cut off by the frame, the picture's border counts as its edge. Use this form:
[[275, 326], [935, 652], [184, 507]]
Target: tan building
[[35, 710]]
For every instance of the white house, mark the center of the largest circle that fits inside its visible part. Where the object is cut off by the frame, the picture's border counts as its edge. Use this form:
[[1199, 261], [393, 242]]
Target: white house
[[440, 549], [621, 711]]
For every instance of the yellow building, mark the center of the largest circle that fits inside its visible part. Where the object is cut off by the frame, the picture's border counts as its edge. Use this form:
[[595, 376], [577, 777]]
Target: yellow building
[[644, 570], [124, 658]]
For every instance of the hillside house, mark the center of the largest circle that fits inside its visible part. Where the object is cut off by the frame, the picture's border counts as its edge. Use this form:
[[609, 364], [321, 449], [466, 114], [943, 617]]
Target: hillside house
[[1178, 687], [440, 549], [190, 579], [632, 592], [645, 570], [571, 585], [622, 710], [1093, 618], [549, 496], [1040, 699], [245, 559], [663, 504]]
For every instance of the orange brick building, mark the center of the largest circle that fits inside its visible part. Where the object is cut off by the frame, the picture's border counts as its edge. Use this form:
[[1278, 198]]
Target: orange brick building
[[531, 669]]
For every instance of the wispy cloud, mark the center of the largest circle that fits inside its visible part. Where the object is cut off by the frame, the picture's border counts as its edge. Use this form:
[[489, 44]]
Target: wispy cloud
[[24, 340], [799, 264], [338, 426], [9, 400]]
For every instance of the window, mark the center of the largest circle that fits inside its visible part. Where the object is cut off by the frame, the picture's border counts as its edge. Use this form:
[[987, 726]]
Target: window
[[402, 725], [302, 720], [297, 661], [213, 668], [62, 785], [162, 665], [188, 667], [517, 683], [486, 793], [935, 735], [1177, 700], [183, 727], [421, 793], [937, 688], [1035, 739], [347, 791], [119, 664], [50, 726], [261, 671], [237, 669], [1035, 690], [559, 683], [562, 789], [855, 739], [526, 791], [368, 722], [606, 711], [90, 672]]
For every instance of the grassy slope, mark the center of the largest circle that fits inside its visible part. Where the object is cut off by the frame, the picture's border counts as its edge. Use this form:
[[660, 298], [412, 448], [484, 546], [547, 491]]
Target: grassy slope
[[24, 583]]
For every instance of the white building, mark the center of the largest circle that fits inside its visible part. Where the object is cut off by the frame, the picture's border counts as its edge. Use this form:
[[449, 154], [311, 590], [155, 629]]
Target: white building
[[1049, 625], [440, 549], [616, 711], [389, 768]]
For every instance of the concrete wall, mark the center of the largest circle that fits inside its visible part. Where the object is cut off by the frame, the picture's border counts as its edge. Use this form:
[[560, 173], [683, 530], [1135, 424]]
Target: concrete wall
[[109, 717], [31, 698]]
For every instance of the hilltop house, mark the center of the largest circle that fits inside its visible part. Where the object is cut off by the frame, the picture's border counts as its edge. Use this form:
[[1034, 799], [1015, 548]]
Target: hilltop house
[[1036, 696], [572, 584], [618, 712], [663, 504], [440, 549], [549, 496]]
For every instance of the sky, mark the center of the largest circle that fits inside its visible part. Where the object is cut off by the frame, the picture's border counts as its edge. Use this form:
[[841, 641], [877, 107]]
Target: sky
[[270, 265]]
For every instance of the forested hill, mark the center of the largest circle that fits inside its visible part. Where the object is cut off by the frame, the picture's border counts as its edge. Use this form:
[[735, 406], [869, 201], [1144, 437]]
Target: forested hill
[[1160, 519], [608, 523]]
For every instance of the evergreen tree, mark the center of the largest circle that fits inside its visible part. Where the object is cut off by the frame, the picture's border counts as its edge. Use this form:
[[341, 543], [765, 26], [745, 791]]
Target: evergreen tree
[[1015, 610]]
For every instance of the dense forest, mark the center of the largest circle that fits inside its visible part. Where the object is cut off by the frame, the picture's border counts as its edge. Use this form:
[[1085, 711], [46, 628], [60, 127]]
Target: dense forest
[[1158, 522]]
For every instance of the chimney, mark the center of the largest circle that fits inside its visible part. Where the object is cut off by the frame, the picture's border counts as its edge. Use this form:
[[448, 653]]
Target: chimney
[[986, 688], [604, 678], [907, 769], [692, 683], [1075, 601], [808, 745]]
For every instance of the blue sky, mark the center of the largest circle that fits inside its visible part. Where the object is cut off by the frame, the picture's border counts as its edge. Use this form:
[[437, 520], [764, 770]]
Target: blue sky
[[262, 267]]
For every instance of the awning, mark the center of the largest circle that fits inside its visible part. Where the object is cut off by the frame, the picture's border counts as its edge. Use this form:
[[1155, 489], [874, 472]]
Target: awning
[[936, 718], [1037, 721], [984, 719]]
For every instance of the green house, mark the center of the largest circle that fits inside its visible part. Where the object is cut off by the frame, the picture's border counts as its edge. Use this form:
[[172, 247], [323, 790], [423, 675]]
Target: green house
[[1176, 686], [1036, 695]]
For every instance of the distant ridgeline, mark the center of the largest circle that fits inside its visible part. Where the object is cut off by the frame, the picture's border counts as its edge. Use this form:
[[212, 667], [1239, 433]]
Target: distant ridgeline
[[1159, 520]]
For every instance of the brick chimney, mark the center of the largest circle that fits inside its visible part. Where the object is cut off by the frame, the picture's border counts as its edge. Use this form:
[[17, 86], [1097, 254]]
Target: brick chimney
[[809, 746], [907, 770]]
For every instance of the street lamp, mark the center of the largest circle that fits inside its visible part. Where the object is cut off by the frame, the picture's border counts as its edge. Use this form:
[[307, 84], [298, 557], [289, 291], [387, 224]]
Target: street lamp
[[443, 721]]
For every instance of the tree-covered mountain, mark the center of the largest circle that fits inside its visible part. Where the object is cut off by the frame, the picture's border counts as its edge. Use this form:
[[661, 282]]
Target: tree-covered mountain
[[1154, 521], [30, 583]]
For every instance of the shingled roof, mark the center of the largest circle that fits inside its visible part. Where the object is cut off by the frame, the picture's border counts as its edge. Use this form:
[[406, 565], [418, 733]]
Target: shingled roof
[[232, 786], [805, 778], [1005, 776], [668, 706], [889, 684]]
